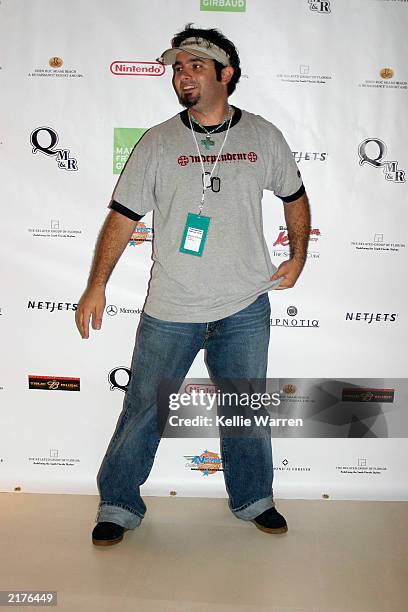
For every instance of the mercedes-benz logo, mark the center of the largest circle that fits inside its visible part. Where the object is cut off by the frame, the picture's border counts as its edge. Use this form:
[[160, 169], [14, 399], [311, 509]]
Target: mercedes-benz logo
[[112, 310], [292, 311]]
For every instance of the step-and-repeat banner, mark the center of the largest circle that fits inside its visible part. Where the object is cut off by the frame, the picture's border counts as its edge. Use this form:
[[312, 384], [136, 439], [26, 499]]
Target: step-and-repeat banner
[[80, 85]]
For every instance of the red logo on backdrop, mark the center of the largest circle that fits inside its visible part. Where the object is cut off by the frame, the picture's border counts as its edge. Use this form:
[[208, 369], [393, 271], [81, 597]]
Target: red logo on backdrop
[[208, 389], [182, 160], [252, 156], [125, 68], [283, 238], [54, 383]]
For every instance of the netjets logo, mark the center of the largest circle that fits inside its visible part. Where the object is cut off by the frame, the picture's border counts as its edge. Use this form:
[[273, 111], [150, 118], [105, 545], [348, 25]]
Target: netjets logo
[[319, 6], [372, 151], [44, 139], [121, 68]]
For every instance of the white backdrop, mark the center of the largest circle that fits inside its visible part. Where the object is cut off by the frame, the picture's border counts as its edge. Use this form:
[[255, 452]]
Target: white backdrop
[[330, 75]]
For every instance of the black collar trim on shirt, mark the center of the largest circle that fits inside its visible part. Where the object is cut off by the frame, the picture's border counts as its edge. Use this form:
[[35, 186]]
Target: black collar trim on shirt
[[235, 118]]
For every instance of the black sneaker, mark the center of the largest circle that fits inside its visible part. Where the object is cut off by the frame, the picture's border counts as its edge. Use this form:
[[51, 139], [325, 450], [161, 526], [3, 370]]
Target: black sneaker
[[106, 534], [271, 521]]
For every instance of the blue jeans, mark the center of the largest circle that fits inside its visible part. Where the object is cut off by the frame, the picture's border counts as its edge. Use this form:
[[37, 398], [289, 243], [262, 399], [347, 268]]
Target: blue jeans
[[237, 347]]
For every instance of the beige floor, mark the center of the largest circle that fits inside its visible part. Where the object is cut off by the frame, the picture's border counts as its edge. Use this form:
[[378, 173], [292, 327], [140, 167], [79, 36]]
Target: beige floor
[[193, 555]]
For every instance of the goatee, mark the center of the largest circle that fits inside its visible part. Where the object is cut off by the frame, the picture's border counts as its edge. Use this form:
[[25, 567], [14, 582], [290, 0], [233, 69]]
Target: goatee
[[188, 100]]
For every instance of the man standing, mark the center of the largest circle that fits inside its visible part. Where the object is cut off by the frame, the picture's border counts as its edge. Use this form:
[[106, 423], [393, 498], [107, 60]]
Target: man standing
[[202, 172]]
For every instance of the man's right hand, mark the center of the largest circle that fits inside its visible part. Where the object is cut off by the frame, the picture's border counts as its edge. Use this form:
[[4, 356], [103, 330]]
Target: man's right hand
[[91, 304], [113, 238]]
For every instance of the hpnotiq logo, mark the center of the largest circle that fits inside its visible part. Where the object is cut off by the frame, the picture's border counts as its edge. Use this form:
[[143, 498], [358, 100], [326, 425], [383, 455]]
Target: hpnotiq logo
[[120, 68], [319, 6], [373, 154], [44, 139], [292, 321]]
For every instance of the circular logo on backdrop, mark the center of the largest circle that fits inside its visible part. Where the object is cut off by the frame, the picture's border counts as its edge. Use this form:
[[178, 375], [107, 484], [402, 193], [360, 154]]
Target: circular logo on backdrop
[[55, 62], [292, 311], [208, 462], [289, 389], [386, 73], [112, 310]]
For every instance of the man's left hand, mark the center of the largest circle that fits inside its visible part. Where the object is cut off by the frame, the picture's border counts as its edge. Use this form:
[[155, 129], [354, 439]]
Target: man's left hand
[[289, 271]]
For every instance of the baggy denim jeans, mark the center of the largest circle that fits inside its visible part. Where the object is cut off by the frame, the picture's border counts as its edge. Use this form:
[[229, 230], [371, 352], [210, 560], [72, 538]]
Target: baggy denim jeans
[[236, 347]]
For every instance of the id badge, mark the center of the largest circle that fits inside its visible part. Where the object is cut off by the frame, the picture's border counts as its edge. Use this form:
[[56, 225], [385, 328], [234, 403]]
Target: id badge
[[195, 234]]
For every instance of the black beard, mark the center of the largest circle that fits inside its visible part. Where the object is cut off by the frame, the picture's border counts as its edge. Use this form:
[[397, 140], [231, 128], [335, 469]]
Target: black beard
[[188, 101]]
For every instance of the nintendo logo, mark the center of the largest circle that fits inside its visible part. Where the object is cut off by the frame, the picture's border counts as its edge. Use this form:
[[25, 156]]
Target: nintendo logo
[[122, 68]]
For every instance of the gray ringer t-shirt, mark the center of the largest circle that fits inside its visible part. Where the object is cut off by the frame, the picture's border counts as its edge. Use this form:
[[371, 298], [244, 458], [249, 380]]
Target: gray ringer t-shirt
[[164, 174]]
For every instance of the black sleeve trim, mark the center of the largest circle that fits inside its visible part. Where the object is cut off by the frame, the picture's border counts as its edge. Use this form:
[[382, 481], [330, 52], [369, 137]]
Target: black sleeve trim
[[125, 211], [294, 196]]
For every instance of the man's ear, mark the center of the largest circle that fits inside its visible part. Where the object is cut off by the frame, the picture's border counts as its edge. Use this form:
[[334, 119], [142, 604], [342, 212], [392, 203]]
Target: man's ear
[[226, 74]]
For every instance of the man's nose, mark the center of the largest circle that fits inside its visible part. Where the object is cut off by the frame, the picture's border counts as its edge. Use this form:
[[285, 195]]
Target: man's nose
[[185, 73]]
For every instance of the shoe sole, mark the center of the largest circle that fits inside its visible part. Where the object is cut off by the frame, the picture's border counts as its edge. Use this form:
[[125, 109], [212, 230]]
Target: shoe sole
[[270, 529], [108, 542]]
